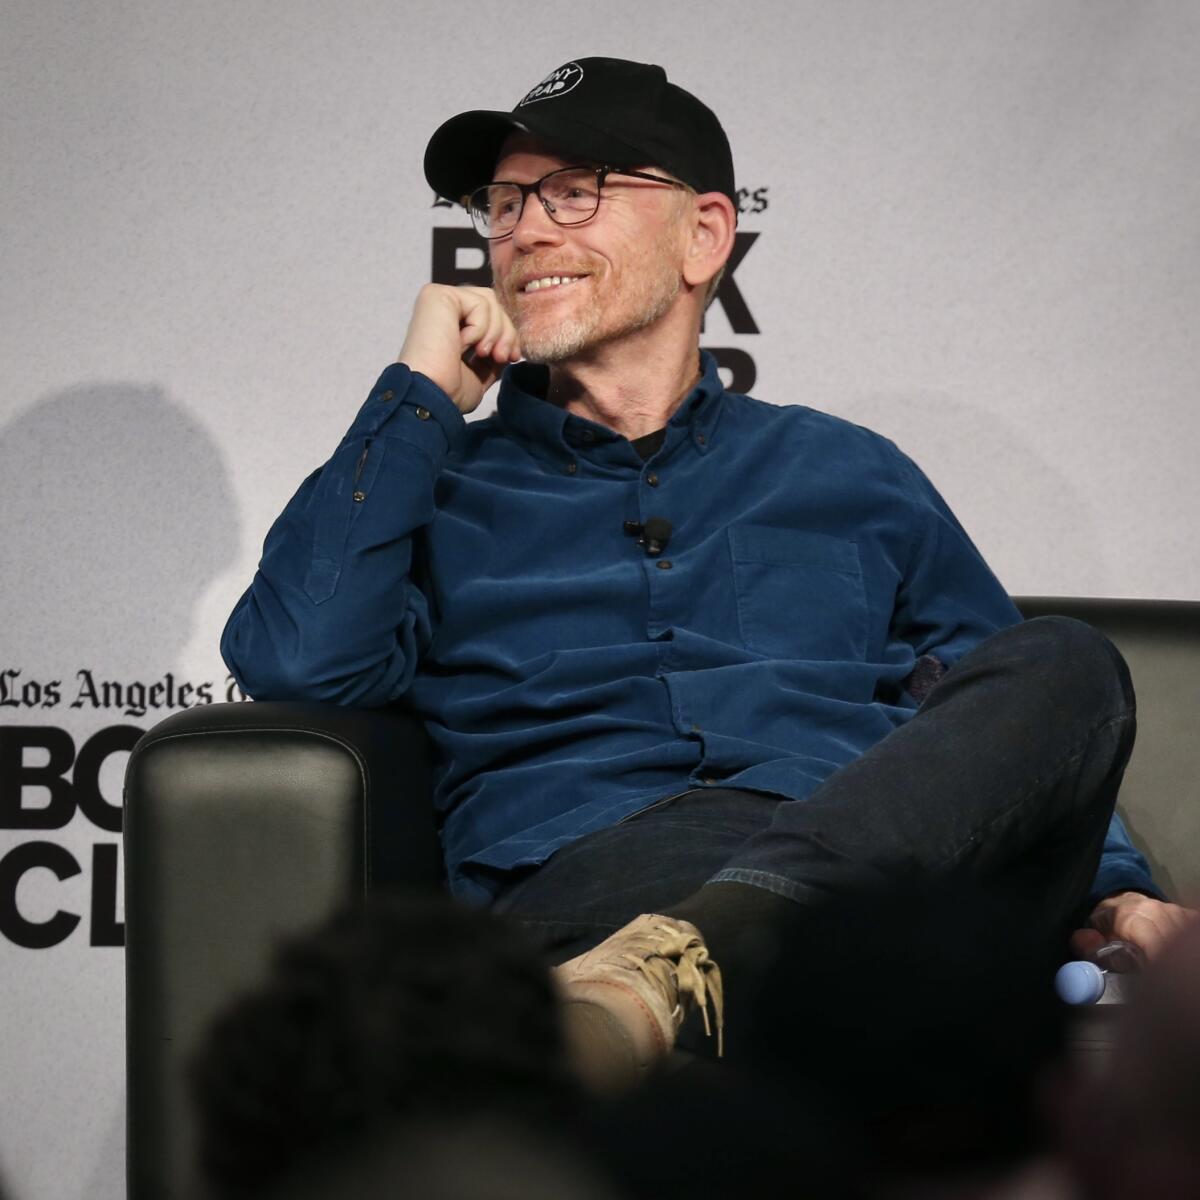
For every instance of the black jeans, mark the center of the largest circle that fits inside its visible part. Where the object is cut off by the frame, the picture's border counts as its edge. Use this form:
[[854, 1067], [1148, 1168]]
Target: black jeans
[[1006, 777]]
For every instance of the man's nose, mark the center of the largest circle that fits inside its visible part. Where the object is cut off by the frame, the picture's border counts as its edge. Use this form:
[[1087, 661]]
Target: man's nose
[[534, 227]]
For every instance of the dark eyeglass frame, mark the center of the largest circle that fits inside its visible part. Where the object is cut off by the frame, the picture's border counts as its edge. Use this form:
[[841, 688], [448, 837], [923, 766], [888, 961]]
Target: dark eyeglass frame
[[535, 188]]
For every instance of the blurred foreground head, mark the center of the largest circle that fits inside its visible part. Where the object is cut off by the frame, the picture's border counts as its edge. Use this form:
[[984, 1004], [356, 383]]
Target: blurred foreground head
[[1136, 1132], [893, 1039], [404, 1014]]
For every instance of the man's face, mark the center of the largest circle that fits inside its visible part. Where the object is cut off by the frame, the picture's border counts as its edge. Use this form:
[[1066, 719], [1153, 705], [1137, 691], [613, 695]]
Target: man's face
[[620, 270]]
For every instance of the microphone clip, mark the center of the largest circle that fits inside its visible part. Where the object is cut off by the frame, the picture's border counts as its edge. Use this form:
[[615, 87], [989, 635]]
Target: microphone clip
[[653, 535]]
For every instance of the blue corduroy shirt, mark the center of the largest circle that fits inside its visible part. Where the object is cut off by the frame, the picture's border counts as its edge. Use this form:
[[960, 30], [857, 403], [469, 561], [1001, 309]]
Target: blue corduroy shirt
[[483, 572]]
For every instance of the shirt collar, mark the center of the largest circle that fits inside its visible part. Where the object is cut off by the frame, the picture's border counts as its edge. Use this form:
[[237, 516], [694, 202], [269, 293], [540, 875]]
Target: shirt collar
[[545, 426]]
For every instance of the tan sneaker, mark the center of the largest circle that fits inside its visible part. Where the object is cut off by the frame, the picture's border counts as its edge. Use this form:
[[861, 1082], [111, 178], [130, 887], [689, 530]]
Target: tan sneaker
[[626, 999]]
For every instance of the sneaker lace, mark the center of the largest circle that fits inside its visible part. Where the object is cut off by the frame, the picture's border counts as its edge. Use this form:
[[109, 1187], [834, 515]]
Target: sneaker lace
[[679, 964]]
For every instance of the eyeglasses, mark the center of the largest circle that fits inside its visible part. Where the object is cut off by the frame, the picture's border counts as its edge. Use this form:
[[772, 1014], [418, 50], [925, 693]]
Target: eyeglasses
[[570, 196]]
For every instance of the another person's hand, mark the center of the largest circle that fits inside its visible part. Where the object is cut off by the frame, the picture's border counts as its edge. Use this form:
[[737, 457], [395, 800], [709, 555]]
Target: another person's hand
[[447, 322], [1132, 917]]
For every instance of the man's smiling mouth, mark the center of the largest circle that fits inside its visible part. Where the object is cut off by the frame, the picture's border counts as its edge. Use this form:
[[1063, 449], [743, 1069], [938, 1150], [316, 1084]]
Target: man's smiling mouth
[[550, 281]]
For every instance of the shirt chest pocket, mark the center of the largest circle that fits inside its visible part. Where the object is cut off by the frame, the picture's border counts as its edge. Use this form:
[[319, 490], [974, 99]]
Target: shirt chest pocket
[[799, 595]]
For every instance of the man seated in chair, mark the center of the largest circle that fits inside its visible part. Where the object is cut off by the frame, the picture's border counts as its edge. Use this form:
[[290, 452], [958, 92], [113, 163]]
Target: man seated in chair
[[689, 660]]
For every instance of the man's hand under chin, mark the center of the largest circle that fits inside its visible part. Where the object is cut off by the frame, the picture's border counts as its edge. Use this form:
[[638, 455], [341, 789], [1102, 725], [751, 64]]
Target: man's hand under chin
[[1132, 917], [448, 321]]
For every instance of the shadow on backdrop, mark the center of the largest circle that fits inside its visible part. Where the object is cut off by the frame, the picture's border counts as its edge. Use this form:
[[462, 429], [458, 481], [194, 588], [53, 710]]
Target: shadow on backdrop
[[118, 513]]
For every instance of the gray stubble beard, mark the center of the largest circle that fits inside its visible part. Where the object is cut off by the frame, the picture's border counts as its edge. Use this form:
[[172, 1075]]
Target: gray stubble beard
[[656, 294]]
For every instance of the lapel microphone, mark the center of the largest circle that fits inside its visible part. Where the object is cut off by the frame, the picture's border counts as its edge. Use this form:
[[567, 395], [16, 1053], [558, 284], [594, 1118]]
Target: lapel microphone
[[653, 535]]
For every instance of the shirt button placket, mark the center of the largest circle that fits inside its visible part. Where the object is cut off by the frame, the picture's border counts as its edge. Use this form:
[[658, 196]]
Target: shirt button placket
[[661, 606]]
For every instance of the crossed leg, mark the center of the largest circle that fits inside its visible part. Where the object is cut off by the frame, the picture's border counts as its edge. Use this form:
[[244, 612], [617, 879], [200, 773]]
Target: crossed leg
[[1006, 778]]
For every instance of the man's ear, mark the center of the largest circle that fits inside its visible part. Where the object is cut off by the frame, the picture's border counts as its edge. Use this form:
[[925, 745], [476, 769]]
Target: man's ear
[[714, 222]]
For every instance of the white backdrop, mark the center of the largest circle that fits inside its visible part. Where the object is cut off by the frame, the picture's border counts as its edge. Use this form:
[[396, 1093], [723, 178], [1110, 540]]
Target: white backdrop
[[979, 236]]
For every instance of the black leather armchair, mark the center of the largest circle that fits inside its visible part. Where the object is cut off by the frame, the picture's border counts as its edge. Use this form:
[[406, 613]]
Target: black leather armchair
[[246, 822]]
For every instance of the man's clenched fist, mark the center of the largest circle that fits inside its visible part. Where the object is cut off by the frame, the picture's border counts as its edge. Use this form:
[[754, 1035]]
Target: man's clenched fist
[[447, 322]]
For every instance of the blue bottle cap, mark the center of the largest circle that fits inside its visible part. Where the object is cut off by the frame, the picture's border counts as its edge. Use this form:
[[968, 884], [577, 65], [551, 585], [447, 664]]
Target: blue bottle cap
[[1079, 983]]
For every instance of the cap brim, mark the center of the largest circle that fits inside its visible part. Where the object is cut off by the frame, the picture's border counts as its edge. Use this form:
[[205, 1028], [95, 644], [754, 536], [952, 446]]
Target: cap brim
[[463, 151]]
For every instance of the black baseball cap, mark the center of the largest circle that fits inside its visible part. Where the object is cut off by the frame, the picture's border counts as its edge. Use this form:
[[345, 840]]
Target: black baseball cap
[[606, 110]]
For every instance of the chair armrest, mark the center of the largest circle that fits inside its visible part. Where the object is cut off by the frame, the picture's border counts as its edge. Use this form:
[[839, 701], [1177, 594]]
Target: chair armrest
[[245, 823]]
